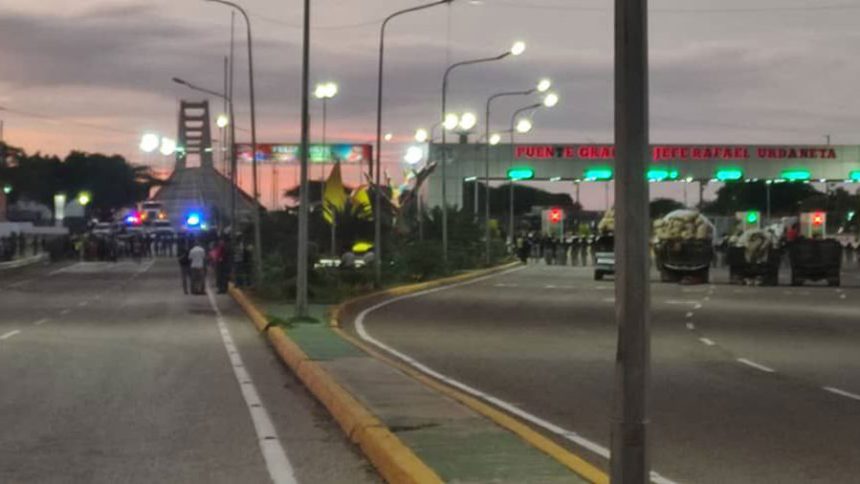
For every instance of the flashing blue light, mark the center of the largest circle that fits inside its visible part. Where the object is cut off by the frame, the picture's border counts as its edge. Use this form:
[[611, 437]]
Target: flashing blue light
[[192, 220]]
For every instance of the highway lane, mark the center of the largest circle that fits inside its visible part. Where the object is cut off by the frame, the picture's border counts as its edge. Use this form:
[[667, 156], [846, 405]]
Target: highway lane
[[542, 339], [109, 374]]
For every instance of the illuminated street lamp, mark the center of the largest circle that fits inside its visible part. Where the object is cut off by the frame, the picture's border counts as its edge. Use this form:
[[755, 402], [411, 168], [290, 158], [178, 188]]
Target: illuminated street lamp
[[495, 139], [542, 86], [149, 142], [325, 91], [523, 125], [414, 155], [421, 135], [84, 198], [222, 121], [468, 121], [168, 146], [377, 199], [516, 49]]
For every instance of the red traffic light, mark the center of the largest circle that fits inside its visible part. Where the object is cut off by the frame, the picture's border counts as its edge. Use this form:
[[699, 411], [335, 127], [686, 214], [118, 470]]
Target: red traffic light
[[555, 215], [817, 218]]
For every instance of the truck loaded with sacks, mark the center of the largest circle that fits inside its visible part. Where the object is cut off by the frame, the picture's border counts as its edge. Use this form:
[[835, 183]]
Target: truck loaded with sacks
[[683, 245]]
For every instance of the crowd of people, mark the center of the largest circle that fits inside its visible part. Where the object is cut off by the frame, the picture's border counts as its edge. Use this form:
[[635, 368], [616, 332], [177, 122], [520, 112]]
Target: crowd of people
[[574, 250], [198, 255], [17, 245]]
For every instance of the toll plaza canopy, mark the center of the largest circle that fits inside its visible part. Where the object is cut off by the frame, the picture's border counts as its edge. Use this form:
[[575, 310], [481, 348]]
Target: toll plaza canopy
[[669, 162]]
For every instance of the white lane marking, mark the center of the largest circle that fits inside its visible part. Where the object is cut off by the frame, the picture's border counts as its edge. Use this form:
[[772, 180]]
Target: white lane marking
[[65, 312], [690, 314], [279, 466], [679, 301], [842, 296], [604, 288], [691, 326], [697, 306], [757, 366], [707, 342], [706, 298], [550, 286], [41, 321], [509, 407], [609, 299], [842, 393], [9, 334], [83, 303], [505, 284]]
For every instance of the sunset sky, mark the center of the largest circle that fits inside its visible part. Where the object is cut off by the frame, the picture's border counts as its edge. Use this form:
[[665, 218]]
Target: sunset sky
[[95, 74]]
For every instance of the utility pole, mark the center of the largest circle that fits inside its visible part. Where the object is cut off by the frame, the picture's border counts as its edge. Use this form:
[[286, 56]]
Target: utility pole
[[629, 440], [302, 263]]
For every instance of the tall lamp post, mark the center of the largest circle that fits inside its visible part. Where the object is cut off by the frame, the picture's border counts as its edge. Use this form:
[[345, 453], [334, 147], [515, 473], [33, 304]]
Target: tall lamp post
[[229, 100], [516, 49], [258, 251], [523, 125], [325, 91], [377, 198], [542, 86]]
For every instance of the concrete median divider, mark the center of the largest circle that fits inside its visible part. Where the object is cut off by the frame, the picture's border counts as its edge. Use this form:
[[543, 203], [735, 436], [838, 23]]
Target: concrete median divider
[[394, 461], [416, 457]]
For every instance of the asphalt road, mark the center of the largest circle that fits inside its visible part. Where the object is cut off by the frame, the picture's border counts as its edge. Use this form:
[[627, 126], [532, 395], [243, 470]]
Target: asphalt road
[[109, 374], [750, 384]]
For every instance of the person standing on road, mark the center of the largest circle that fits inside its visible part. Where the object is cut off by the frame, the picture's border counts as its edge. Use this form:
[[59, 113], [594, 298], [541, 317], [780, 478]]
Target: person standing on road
[[197, 257], [185, 268]]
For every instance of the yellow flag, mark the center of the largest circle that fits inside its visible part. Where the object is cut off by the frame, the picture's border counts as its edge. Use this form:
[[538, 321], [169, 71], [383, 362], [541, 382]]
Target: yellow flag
[[361, 205], [334, 196]]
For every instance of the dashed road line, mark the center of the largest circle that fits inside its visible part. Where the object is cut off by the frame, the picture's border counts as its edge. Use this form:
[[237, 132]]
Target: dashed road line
[[757, 366], [680, 301], [697, 306], [843, 393], [691, 326], [690, 314], [41, 321], [65, 312], [9, 334], [707, 341], [83, 303]]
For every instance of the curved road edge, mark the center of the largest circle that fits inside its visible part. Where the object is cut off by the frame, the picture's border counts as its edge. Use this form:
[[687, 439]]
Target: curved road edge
[[361, 306]]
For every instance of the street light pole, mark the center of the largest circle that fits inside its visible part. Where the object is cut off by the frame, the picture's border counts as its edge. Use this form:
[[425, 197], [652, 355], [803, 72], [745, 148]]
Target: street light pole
[[258, 251], [511, 193], [377, 198], [517, 49], [487, 248], [302, 263], [629, 440]]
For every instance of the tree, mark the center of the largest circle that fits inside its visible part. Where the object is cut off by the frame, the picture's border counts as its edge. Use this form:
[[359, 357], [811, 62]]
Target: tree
[[785, 198], [662, 206], [111, 181]]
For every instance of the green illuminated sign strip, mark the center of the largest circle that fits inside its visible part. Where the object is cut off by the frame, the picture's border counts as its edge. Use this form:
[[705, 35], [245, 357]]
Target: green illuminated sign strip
[[598, 174], [729, 174], [662, 174], [855, 176], [521, 173], [796, 175]]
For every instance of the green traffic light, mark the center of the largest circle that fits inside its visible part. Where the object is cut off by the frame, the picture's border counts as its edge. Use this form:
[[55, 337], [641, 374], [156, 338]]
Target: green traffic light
[[521, 173], [7, 189], [752, 217]]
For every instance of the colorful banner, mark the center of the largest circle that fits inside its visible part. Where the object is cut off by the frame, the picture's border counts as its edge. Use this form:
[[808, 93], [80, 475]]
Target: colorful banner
[[283, 153]]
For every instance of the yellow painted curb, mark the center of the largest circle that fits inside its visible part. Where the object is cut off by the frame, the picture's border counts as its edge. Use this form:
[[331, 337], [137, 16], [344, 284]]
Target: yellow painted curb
[[395, 461], [534, 438]]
